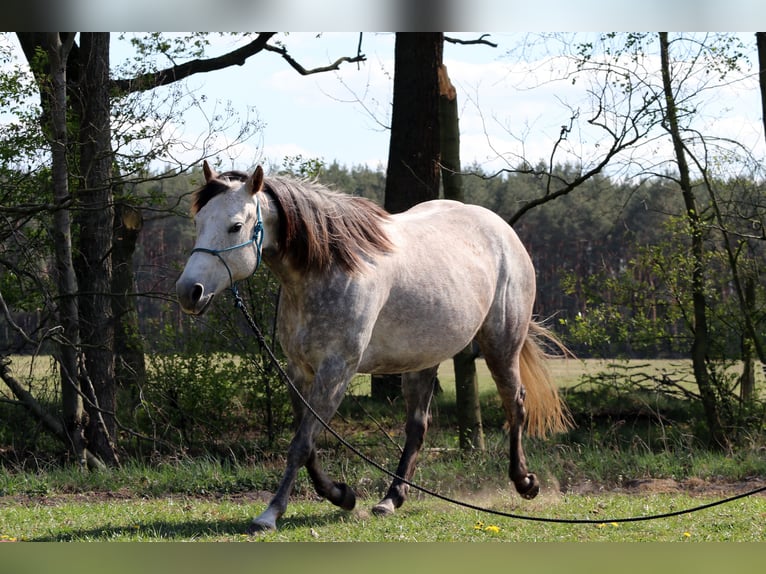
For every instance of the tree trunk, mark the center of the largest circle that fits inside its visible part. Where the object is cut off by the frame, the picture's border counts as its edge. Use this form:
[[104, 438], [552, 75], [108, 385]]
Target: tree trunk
[[95, 221], [412, 175], [130, 366], [413, 155], [470, 430], [55, 101], [700, 342], [747, 379], [760, 40]]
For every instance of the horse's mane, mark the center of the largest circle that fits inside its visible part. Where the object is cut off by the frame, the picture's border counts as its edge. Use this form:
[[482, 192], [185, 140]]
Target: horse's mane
[[320, 227], [214, 187]]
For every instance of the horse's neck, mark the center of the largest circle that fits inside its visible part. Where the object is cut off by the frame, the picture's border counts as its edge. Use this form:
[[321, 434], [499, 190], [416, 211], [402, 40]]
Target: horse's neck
[[270, 220]]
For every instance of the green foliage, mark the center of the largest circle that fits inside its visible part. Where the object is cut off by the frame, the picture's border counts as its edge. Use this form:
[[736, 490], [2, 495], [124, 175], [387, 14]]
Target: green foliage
[[304, 168], [210, 388]]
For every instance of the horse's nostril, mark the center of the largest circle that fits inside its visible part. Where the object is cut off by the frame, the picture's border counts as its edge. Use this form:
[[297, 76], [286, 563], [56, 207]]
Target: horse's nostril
[[197, 292]]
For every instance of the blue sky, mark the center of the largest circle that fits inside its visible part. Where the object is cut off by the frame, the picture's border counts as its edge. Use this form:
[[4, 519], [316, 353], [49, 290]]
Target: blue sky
[[512, 105], [342, 115], [512, 98]]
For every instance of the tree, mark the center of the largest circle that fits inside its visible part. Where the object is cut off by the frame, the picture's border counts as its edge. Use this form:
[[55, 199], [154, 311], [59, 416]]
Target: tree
[[470, 429], [77, 96], [689, 68], [94, 221], [760, 39], [413, 172], [700, 345], [413, 155], [58, 50]]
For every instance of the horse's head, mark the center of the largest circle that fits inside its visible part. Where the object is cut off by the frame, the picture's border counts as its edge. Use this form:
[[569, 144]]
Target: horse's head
[[229, 224]]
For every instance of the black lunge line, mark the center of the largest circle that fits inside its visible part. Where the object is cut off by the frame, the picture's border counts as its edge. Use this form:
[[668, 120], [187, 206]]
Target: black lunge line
[[238, 302]]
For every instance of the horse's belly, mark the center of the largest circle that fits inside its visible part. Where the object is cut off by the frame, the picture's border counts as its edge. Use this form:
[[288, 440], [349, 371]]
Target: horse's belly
[[405, 340], [388, 364]]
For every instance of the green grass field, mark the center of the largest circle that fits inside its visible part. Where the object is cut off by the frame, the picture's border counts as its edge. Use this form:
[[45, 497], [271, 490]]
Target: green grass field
[[192, 518], [598, 473]]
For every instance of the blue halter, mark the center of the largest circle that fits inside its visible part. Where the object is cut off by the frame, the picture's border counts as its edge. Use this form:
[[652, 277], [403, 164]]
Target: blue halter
[[256, 239]]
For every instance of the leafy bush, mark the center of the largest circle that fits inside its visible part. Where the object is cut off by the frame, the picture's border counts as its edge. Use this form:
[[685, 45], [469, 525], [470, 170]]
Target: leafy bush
[[213, 389]]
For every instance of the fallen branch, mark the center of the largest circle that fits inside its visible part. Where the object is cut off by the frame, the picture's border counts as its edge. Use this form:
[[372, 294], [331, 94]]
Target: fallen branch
[[52, 424]]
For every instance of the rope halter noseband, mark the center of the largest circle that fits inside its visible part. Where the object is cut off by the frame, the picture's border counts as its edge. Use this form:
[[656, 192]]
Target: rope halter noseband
[[256, 239]]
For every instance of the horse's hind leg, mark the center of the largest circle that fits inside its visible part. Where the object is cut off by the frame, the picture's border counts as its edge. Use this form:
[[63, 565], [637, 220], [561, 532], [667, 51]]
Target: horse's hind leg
[[418, 389], [505, 369]]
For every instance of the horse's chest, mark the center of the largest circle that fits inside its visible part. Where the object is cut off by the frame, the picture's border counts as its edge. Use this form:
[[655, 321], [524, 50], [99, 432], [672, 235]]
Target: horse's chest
[[309, 334]]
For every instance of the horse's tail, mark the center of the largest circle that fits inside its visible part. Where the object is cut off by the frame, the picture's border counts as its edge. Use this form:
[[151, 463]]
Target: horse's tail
[[546, 412]]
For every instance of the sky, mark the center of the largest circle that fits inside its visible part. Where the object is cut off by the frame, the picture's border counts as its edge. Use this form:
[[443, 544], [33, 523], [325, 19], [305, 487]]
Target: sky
[[509, 108], [511, 103]]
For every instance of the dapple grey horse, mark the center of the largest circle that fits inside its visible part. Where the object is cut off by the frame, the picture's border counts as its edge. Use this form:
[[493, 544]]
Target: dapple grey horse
[[364, 291]]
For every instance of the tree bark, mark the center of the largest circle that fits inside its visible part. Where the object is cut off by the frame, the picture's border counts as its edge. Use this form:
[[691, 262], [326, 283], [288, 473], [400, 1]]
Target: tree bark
[[130, 364], [54, 101], [760, 40], [700, 344], [95, 223], [412, 175], [747, 379], [470, 429]]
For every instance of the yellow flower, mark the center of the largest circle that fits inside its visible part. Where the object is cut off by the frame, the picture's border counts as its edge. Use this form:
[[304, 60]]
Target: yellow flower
[[687, 534], [492, 528], [479, 525]]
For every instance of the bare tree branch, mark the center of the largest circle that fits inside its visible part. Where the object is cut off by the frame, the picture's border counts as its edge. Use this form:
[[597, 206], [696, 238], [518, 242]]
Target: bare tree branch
[[236, 57], [282, 51], [51, 423], [480, 40], [169, 75]]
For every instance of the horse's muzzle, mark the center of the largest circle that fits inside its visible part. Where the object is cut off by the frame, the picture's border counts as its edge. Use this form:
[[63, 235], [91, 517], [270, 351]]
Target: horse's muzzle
[[192, 297]]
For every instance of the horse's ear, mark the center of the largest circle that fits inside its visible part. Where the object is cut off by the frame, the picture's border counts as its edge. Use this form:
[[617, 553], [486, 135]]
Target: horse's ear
[[209, 172], [255, 181]]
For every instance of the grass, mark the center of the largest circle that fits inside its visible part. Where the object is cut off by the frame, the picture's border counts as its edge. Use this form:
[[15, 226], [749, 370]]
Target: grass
[[182, 518], [210, 500], [595, 472]]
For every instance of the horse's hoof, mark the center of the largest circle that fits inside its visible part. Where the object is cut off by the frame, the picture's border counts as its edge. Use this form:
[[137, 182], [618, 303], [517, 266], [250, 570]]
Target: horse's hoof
[[260, 526], [383, 508], [530, 487], [345, 498]]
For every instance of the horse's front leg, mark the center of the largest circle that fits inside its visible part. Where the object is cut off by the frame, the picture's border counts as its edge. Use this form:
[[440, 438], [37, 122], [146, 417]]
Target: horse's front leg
[[324, 395], [418, 390], [297, 455]]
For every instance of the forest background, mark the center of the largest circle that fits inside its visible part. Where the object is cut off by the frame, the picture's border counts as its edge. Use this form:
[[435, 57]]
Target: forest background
[[653, 261]]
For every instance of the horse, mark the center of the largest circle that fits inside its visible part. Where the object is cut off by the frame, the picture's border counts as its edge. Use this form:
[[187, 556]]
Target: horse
[[365, 291]]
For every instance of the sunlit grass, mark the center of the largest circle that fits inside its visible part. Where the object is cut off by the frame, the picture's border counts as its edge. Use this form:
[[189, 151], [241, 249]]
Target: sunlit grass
[[426, 520], [211, 499]]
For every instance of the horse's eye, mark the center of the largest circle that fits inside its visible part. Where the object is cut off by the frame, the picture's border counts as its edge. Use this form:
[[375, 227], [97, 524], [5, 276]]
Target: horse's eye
[[235, 228]]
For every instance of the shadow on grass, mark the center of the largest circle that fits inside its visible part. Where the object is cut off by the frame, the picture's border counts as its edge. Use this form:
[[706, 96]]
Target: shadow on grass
[[165, 530]]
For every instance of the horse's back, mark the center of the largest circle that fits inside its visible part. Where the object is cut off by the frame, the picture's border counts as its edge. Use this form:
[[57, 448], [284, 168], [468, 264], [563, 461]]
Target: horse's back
[[463, 237], [453, 264]]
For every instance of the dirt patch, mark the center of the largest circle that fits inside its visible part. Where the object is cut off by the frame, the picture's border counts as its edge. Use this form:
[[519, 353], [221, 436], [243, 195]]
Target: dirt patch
[[644, 486], [691, 486]]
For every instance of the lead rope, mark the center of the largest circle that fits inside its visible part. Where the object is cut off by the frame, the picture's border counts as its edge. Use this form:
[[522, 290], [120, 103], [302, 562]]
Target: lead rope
[[239, 303]]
